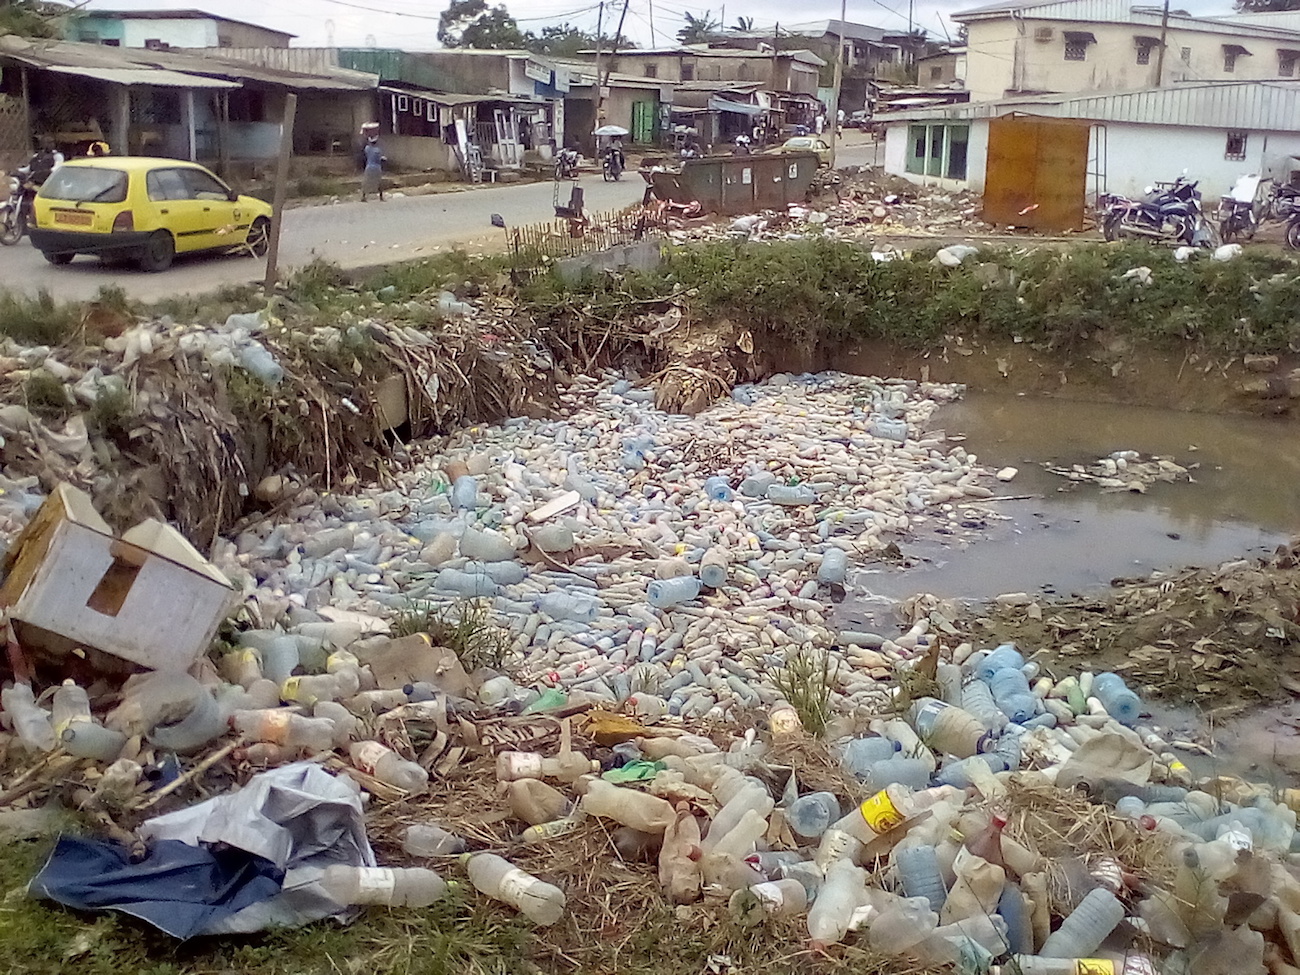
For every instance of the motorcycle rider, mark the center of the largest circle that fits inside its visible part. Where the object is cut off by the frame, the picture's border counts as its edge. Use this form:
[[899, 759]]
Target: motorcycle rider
[[17, 214], [615, 162]]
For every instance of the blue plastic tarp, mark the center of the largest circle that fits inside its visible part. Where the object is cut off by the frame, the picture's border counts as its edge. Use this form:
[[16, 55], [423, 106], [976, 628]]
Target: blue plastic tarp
[[180, 889]]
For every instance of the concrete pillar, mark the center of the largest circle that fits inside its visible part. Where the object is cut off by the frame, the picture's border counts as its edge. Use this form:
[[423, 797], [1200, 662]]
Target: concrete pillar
[[120, 120], [191, 134]]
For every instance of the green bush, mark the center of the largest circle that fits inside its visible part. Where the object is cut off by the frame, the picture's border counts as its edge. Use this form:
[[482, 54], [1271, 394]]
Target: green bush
[[37, 321]]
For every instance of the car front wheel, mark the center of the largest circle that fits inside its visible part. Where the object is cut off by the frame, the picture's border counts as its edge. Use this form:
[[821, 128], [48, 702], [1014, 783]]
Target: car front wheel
[[158, 253], [259, 237]]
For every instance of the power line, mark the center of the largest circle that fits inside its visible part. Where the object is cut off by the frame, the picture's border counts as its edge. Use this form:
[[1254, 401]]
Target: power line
[[402, 13]]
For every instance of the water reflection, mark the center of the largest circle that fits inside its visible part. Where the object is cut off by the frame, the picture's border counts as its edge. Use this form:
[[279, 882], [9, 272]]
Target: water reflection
[[1243, 501]]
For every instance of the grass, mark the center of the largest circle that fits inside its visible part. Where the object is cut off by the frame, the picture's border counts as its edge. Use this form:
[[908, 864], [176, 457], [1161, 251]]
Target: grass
[[39, 320], [46, 395], [806, 682], [466, 630]]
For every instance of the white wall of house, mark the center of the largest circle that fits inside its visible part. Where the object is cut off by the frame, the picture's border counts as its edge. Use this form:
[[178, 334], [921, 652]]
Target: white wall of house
[[1005, 55], [178, 33], [1135, 156]]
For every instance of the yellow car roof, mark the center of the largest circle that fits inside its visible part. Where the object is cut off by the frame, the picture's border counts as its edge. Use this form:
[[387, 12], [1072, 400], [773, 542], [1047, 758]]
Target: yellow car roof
[[131, 164]]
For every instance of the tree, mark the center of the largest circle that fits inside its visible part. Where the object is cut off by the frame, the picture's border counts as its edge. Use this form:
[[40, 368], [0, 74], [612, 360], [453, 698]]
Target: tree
[[1266, 6], [472, 23], [699, 30], [31, 18], [744, 23], [567, 41]]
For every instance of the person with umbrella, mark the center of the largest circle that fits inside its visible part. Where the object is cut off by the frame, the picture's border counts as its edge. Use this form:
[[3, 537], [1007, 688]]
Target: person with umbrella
[[613, 162]]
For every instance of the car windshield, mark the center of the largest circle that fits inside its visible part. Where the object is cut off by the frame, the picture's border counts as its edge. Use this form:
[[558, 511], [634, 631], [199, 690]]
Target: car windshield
[[85, 184], [800, 143]]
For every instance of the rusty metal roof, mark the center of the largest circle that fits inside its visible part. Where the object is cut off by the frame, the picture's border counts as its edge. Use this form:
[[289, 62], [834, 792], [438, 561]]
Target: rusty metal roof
[[157, 77]]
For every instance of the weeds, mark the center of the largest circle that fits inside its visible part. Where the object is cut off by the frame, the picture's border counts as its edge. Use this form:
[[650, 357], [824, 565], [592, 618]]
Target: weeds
[[46, 394], [112, 413], [318, 186], [39, 320], [806, 682], [466, 630]]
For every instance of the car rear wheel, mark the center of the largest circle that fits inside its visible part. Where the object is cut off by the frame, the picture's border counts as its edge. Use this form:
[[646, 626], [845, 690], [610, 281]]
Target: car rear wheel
[[58, 260], [259, 237], [158, 253]]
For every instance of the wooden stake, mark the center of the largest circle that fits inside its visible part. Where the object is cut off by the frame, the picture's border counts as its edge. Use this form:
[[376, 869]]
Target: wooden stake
[[281, 189]]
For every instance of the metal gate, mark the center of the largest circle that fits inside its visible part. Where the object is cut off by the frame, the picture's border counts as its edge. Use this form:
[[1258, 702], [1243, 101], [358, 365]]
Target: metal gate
[[644, 116], [1037, 172]]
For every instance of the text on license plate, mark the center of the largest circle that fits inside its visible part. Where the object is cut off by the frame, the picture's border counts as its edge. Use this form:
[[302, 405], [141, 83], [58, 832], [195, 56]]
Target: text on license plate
[[74, 218]]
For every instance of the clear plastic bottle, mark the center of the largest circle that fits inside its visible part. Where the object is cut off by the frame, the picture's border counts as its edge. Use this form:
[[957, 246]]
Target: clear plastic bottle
[[565, 606], [282, 727], [639, 810], [756, 485], [310, 689], [1088, 925], [862, 753], [911, 772], [799, 495], [468, 584], [840, 895], [89, 739], [71, 703], [30, 722], [428, 840], [242, 667], [1038, 965], [772, 898], [280, 656], [1013, 696], [667, 593], [752, 797], [553, 538], [879, 814], [902, 922], [387, 766], [1120, 702], [486, 545], [464, 493], [205, 723], [533, 801], [810, 816], [948, 729], [919, 874], [718, 489], [714, 568], [1000, 658], [540, 902], [383, 886], [987, 844], [1015, 911], [977, 699], [542, 832], [565, 767], [834, 567]]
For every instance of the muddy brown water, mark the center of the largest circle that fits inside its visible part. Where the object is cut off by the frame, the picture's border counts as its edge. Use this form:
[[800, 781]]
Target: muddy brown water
[[1070, 538], [1243, 502]]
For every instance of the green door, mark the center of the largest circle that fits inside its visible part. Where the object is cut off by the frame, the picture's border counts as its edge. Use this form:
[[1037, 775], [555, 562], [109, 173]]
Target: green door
[[644, 116]]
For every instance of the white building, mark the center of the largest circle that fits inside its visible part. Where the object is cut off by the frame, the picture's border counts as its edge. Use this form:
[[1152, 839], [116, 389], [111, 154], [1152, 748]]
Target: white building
[[1023, 47], [1119, 142], [171, 28]]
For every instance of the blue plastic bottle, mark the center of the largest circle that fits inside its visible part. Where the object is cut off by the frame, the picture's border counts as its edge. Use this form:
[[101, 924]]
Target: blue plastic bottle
[[919, 874], [999, 658], [1121, 704], [718, 489]]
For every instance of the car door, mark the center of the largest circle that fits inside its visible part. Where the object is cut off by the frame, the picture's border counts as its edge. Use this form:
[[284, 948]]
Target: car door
[[224, 222], [177, 210]]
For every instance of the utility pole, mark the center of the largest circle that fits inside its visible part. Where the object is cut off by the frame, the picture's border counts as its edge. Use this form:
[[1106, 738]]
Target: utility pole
[[833, 110], [1160, 54], [600, 30], [653, 42], [613, 56]]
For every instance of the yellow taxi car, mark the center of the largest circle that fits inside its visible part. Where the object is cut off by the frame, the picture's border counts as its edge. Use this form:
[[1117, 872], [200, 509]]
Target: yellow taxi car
[[806, 143], [146, 210]]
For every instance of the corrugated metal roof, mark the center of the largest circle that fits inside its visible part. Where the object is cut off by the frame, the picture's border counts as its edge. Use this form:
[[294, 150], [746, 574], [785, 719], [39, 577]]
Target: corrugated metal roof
[[1272, 106], [1120, 12], [156, 77], [99, 14]]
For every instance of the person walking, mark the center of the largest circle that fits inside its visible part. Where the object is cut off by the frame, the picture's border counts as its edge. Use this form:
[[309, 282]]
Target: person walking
[[372, 176]]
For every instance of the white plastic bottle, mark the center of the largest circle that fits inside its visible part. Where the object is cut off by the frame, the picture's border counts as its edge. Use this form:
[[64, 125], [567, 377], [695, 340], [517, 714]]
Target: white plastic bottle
[[384, 886], [1088, 925], [540, 902], [429, 840], [841, 894], [30, 722], [639, 810]]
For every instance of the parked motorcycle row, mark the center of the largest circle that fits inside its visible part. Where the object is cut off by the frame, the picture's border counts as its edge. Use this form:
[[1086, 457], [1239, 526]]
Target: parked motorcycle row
[[1174, 213]]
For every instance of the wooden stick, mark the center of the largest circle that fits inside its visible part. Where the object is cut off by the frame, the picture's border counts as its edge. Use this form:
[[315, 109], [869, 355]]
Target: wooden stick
[[189, 776], [27, 782]]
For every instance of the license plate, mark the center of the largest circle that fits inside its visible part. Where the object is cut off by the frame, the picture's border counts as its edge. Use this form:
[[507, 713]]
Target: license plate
[[74, 218]]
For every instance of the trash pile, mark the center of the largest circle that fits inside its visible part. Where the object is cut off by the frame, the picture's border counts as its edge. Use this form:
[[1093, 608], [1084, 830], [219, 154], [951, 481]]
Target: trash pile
[[882, 204], [1123, 470], [609, 639]]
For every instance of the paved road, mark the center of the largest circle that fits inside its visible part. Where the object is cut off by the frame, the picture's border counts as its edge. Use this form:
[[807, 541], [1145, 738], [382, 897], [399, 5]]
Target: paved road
[[351, 234]]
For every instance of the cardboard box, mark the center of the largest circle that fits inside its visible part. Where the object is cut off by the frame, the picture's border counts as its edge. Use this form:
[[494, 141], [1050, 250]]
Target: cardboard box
[[148, 597]]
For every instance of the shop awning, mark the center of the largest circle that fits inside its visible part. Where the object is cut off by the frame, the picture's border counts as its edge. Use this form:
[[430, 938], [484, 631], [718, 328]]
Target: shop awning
[[1235, 49], [1146, 40], [737, 108], [156, 77], [1079, 37]]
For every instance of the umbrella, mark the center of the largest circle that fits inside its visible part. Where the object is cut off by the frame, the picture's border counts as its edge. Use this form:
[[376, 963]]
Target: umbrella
[[610, 130]]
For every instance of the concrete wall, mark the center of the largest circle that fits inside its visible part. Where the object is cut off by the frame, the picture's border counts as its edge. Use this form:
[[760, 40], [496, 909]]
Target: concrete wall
[[1005, 56], [1130, 163], [175, 31], [411, 152]]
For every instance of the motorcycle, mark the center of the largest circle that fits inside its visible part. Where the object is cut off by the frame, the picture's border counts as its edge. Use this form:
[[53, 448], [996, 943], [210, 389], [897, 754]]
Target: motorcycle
[[16, 209], [566, 164], [1173, 213], [612, 165]]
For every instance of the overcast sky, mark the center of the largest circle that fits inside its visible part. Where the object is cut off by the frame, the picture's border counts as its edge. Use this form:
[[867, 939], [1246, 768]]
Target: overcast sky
[[413, 24]]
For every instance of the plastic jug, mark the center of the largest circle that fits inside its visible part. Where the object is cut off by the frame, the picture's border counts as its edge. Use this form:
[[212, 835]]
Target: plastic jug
[[901, 923], [977, 890]]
